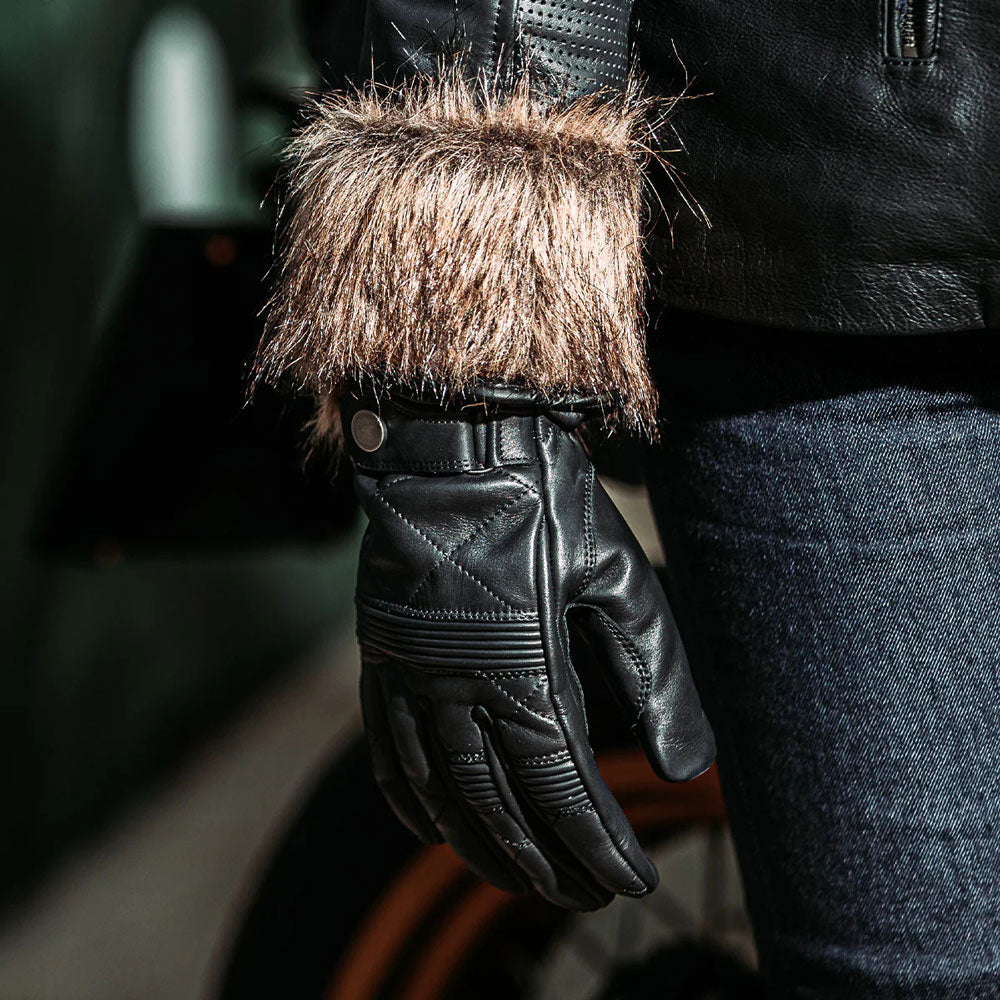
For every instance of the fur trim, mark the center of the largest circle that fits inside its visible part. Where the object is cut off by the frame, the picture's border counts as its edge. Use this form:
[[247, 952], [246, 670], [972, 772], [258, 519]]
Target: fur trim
[[444, 234]]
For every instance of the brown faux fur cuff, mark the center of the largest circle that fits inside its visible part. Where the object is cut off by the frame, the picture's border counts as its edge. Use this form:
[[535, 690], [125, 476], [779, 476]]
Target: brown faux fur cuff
[[444, 234]]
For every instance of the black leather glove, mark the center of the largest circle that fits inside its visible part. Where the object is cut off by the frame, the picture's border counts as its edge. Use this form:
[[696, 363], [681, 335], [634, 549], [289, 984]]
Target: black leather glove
[[489, 538]]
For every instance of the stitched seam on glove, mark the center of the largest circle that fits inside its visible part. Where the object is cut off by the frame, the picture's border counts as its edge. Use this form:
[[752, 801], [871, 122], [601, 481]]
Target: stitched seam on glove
[[588, 532], [519, 845], [455, 465], [453, 614], [530, 487], [542, 758], [517, 701], [524, 482], [477, 530], [555, 787], [437, 548], [402, 477], [483, 674], [574, 811], [642, 668]]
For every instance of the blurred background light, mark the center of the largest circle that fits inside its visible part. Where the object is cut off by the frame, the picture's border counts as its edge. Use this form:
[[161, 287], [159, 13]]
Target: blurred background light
[[182, 123]]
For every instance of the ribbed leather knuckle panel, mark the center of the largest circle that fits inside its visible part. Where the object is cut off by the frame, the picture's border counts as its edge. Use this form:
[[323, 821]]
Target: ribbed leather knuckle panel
[[473, 645]]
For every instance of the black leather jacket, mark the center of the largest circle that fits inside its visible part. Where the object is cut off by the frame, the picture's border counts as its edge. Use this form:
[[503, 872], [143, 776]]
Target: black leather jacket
[[845, 152]]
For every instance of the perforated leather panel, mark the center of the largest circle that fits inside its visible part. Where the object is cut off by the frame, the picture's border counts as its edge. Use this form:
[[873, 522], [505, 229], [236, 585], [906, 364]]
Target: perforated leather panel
[[580, 45], [583, 44]]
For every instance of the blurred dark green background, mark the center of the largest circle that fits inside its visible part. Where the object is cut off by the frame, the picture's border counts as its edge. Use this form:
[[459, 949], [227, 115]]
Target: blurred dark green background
[[125, 118]]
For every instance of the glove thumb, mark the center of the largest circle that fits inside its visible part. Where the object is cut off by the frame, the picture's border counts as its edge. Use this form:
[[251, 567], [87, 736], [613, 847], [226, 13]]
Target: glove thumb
[[624, 616]]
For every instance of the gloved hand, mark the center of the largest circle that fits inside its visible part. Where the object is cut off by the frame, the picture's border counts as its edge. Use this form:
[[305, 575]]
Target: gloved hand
[[489, 537]]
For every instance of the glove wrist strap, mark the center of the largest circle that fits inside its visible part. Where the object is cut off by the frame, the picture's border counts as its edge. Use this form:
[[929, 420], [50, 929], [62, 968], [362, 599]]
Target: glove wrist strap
[[394, 435]]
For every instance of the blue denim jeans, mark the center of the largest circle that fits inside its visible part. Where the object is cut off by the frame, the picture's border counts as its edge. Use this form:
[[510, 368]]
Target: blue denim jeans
[[830, 508]]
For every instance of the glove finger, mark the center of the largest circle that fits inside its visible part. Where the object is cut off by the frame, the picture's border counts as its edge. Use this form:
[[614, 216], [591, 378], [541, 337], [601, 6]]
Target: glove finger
[[433, 786], [566, 790], [385, 765], [481, 777], [625, 617]]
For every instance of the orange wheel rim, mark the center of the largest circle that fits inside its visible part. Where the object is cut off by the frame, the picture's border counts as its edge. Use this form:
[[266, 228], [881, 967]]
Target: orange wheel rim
[[649, 804]]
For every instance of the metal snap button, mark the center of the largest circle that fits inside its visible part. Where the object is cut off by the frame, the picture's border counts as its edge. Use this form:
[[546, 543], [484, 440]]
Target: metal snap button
[[368, 431]]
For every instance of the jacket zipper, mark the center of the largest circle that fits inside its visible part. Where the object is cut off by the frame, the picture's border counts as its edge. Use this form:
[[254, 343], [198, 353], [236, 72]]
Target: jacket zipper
[[911, 29], [908, 30]]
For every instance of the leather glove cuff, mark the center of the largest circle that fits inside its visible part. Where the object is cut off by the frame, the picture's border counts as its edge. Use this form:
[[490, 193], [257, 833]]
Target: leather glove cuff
[[475, 432]]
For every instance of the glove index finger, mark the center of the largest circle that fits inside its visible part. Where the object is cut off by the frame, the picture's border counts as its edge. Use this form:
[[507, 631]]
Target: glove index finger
[[565, 788]]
